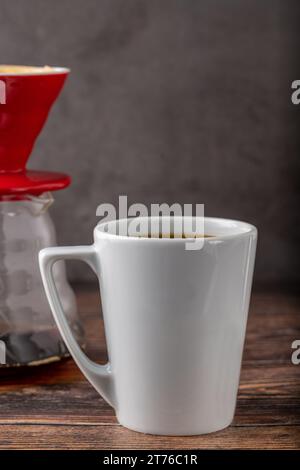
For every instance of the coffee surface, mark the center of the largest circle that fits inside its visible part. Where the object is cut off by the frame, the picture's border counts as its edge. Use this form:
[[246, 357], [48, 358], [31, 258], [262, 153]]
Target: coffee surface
[[174, 235], [24, 69]]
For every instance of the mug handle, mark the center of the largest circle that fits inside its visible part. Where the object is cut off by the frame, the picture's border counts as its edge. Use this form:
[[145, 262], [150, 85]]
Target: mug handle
[[99, 376]]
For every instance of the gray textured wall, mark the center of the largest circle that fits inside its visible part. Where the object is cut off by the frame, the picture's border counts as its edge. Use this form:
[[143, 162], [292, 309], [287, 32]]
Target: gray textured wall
[[172, 100]]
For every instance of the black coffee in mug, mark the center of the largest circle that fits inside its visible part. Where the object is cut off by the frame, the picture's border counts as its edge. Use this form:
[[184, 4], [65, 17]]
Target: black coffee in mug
[[174, 235]]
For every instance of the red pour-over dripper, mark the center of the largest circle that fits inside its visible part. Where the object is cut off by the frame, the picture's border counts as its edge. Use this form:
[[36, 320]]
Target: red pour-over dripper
[[27, 95]]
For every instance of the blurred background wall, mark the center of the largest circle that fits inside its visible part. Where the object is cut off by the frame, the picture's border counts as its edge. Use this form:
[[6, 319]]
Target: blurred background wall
[[170, 101]]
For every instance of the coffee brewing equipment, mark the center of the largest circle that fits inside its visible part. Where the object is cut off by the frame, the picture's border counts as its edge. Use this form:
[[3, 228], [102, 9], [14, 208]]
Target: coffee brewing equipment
[[26, 325]]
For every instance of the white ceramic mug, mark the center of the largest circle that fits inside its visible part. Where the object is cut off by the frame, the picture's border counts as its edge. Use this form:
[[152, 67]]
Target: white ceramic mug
[[174, 320]]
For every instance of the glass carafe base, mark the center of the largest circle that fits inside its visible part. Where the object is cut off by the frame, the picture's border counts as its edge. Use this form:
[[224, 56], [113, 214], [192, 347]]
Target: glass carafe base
[[36, 348]]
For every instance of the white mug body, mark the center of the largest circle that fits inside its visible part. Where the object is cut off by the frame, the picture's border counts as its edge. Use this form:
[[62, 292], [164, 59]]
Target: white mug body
[[175, 322]]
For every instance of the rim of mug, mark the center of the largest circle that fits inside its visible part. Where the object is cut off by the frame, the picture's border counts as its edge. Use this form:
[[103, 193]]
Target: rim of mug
[[248, 230], [53, 70]]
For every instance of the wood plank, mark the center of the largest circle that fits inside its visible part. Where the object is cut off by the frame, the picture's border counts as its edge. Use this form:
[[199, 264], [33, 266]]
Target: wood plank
[[112, 437], [268, 394], [53, 406]]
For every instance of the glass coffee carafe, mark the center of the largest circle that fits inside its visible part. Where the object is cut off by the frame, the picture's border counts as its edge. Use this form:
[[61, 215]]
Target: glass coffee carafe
[[26, 324]]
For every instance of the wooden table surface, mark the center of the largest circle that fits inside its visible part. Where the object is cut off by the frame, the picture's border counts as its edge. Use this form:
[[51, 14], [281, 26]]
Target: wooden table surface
[[54, 407]]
